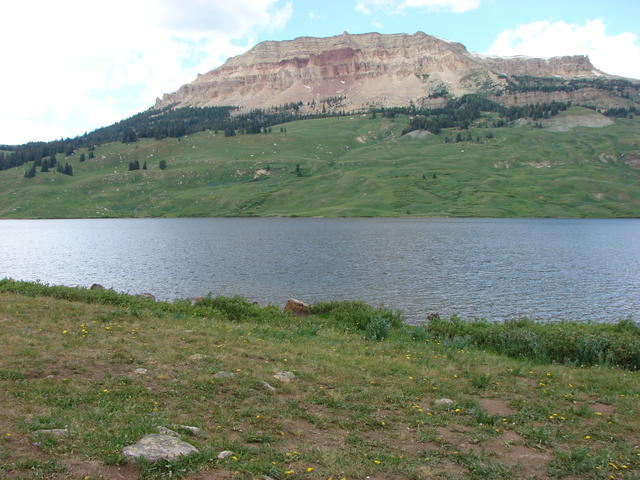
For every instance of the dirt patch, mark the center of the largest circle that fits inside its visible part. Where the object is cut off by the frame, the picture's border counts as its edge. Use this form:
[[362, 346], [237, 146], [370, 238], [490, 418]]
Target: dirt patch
[[528, 461], [79, 468], [565, 123], [458, 439], [445, 469], [301, 429], [496, 407], [211, 475], [602, 408], [507, 449]]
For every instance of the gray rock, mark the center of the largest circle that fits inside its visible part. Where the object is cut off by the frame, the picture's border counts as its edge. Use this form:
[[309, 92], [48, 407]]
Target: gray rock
[[268, 387], [154, 447], [148, 296], [195, 431], [140, 371], [56, 432], [285, 377], [223, 374], [96, 286], [197, 356], [166, 431], [443, 402], [224, 454]]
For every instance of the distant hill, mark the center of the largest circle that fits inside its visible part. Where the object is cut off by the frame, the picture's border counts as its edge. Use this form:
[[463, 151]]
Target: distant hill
[[577, 163], [357, 72]]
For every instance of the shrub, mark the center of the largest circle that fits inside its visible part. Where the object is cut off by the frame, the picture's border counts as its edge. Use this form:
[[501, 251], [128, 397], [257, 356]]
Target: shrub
[[354, 315], [377, 329], [580, 343], [240, 309]]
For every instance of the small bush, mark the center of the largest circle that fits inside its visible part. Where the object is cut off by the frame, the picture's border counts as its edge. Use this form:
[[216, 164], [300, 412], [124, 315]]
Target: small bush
[[354, 315], [240, 309], [377, 329]]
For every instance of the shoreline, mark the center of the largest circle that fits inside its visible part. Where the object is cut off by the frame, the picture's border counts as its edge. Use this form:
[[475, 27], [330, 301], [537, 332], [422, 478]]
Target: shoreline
[[345, 392]]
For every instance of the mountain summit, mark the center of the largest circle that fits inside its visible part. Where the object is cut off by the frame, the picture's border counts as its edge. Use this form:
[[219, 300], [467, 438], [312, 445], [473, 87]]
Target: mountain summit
[[353, 72]]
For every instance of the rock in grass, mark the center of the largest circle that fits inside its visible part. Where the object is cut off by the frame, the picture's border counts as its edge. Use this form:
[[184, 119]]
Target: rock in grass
[[96, 286], [166, 431], [285, 377], [147, 296], [223, 374], [195, 431], [297, 308], [140, 371], [224, 454], [271, 388], [197, 356], [155, 447], [56, 432], [443, 402]]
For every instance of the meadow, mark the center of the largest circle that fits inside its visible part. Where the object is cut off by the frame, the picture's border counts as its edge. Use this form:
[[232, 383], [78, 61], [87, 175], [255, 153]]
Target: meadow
[[347, 166], [365, 399]]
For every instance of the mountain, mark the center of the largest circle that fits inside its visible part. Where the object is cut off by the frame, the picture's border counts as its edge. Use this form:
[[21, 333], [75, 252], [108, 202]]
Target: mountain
[[355, 72]]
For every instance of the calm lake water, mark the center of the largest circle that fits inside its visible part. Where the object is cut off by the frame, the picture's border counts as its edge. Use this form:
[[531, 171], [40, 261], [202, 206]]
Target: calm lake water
[[496, 269]]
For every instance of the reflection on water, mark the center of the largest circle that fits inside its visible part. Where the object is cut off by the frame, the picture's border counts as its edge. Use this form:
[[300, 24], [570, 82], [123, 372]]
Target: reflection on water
[[502, 268]]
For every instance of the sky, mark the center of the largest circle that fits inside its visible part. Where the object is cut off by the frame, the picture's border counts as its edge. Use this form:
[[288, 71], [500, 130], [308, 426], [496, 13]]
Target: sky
[[70, 66]]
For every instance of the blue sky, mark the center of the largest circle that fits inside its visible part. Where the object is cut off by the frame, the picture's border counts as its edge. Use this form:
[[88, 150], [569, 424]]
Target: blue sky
[[70, 66]]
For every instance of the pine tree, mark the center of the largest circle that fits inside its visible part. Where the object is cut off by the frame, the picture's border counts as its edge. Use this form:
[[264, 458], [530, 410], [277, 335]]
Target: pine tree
[[129, 136], [45, 165], [82, 157], [91, 154], [31, 172], [144, 165], [68, 170], [162, 164]]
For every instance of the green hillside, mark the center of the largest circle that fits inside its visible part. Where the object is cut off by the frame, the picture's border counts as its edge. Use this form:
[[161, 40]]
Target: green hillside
[[348, 166]]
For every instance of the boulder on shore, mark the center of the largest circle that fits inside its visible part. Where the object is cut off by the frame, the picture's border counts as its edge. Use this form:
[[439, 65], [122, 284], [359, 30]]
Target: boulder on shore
[[297, 308], [96, 286]]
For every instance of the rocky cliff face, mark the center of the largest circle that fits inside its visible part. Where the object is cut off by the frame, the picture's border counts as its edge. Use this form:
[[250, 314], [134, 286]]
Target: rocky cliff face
[[350, 72]]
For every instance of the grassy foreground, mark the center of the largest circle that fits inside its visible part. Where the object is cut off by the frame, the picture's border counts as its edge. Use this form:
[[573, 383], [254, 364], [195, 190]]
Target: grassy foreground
[[361, 405], [348, 166]]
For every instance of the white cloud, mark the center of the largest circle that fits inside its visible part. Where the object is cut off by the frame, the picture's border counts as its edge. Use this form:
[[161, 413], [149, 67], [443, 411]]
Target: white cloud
[[614, 54], [398, 6], [312, 16], [378, 25], [74, 65]]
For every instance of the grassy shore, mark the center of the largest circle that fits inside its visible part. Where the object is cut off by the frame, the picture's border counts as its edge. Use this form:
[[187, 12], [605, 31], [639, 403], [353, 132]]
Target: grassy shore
[[362, 404]]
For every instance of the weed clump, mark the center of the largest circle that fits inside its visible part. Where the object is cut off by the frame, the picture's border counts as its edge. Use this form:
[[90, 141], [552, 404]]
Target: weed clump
[[358, 316]]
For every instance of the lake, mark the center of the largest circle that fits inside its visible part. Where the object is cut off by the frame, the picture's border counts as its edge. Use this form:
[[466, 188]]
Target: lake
[[493, 268]]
